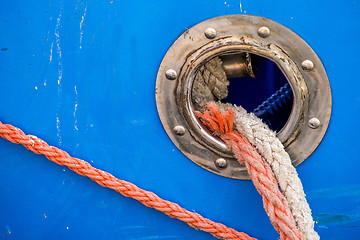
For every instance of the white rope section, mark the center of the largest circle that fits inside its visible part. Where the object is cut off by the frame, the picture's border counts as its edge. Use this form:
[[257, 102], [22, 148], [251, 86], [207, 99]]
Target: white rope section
[[270, 147]]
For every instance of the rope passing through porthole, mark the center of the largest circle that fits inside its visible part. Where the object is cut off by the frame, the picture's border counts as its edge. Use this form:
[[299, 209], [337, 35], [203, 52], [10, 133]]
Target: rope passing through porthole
[[221, 124], [268, 165]]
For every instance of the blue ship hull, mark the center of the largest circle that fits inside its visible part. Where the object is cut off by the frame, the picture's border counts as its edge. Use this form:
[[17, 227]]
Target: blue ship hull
[[81, 75]]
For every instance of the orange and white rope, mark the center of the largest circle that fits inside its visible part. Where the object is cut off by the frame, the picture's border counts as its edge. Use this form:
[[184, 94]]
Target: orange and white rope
[[220, 123], [273, 151]]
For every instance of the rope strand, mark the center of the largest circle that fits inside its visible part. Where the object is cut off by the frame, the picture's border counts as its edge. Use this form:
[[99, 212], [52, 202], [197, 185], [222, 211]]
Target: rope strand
[[125, 188]]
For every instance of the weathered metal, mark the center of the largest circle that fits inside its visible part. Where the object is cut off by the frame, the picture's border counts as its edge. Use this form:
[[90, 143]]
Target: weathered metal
[[239, 34]]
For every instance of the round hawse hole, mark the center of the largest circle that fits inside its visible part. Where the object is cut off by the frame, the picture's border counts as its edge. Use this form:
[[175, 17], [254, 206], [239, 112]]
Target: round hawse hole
[[251, 81]]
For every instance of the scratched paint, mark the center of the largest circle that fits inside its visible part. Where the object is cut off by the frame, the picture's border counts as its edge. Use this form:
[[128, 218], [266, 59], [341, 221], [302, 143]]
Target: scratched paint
[[327, 219], [345, 214], [75, 108], [155, 237], [76, 101], [58, 48], [8, 231], [81, 25], [335, 192], [60, 72]]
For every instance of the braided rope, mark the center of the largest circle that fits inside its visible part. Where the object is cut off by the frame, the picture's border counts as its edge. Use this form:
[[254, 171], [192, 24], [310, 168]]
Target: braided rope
[[274, 102], [210, 84], [125, 188], [270, 147], [275, 204]]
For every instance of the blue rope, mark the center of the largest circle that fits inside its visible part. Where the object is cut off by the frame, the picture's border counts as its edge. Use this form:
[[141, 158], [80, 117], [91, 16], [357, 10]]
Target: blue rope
[[274, 102]]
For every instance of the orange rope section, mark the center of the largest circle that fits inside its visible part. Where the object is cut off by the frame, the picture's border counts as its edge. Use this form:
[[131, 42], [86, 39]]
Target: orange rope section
[[125, 188], [275, 204]]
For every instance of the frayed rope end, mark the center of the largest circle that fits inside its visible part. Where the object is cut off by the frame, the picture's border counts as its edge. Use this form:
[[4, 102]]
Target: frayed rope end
[[218, 122]]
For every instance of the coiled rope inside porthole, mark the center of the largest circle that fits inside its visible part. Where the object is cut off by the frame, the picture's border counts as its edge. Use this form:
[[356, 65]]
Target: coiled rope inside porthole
[[261, 88]]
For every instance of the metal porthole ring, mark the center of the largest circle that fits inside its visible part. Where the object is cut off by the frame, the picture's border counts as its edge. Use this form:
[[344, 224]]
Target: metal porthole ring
[[303, 69]]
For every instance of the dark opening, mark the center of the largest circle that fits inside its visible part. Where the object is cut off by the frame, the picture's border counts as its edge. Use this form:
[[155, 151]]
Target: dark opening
[[268, 95]]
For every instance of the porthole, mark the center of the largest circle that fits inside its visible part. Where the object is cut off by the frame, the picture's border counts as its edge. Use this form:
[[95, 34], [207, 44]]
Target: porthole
[[255, 58]]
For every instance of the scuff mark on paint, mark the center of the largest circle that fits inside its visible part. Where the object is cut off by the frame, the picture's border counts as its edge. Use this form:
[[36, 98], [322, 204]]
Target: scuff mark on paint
[[58, 128], [51, 52], [134, 227], [323, 226], [75, 108], [241, 10], [335, 192], [326, 219], [75, 87], [8, 231], [58, 48], [60, 72], [50, 59], [156, 237], [81, 25]]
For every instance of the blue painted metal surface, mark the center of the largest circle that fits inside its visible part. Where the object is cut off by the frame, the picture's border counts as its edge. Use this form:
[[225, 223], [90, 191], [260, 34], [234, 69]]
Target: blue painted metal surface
[[81, 75]]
